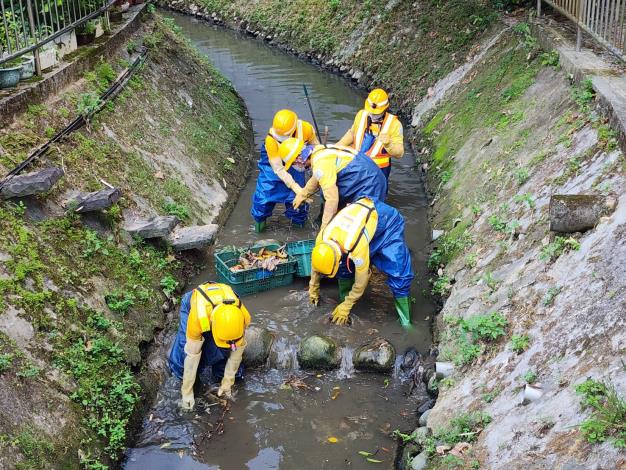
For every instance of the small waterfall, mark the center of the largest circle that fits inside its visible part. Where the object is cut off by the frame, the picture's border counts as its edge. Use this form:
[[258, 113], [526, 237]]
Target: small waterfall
[[284, 355], [346, 369]]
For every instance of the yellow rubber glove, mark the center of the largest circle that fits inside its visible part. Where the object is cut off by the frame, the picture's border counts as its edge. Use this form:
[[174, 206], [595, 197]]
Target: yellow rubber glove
[[301, 197], [341, 314], [331, 203], [232, 366], [384, 139], [193, 352], [314, 288]]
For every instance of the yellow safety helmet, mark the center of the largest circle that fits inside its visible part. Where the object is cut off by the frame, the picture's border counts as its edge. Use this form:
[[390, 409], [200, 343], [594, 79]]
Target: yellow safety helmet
[[228, 324], [289, 151], [326, 258], [285, 122], [377, 101]]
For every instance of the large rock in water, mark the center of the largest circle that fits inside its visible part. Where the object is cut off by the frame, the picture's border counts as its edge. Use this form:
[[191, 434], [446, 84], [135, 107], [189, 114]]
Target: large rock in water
[[319, 352], [156, 227], [259, 342], [28, 184], [376, 356], [191, 238], [576, 212]]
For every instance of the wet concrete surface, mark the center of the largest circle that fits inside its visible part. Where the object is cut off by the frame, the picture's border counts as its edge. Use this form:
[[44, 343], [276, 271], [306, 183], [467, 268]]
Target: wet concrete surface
[[272, 426]]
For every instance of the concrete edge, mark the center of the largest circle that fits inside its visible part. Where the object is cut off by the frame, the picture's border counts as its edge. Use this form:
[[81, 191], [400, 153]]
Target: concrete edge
[[67, 73], [610, 87]]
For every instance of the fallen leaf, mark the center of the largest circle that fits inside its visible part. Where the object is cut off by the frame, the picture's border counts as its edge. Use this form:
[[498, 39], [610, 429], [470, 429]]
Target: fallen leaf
[[386, 383], [332, 440], [166, 445], [370, 460], [384, 449], [231, 160], [159, 175], [365, 453], [335, 393], [431, 92], [447, 117]]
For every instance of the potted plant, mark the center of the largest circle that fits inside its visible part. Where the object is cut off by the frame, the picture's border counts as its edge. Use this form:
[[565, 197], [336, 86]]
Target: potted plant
[[115, 15], [28, 67], [10, 73], [86, 33]]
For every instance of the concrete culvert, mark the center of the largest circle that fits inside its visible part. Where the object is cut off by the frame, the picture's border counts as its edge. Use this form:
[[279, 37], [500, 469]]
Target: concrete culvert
[[319, 352], [576, 212]]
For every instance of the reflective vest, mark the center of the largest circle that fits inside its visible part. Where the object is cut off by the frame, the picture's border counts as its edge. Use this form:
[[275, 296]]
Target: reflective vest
[[351, 223], [341, 153], [206, 297], [297, 132], [377, 152]]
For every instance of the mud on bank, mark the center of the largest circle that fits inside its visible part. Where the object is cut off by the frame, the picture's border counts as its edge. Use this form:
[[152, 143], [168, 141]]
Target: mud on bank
[[80, 300]]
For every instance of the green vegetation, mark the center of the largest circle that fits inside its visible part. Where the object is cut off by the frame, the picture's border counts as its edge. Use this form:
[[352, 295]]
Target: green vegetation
[[179, 210], [548, 299], [34, 448], [464, 427], [441, 285], [529, 376], [608, 413], [520, 343], [464, 340], [449, 245], [169, 285], [557, 247]]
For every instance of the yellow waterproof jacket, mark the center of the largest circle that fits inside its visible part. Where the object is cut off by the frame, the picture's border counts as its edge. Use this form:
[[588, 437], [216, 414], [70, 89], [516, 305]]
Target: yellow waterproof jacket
[[352, 228], [380, 153], [199, 320]]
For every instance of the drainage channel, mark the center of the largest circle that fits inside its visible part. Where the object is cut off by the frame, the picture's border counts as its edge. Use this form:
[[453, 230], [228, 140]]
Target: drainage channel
[[270, 425]]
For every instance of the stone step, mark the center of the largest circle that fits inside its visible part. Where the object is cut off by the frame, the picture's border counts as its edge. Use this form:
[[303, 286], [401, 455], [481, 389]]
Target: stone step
[[36, 182], [156, 227], [193, 238], [95, 201]]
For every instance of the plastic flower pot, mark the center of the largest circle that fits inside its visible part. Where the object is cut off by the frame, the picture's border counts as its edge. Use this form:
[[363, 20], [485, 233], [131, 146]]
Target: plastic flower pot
[[28, 68], [10, 75], [82, 39]]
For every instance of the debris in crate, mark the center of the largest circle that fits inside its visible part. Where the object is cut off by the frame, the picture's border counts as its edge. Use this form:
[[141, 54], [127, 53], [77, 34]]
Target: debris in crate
[[263, 259]]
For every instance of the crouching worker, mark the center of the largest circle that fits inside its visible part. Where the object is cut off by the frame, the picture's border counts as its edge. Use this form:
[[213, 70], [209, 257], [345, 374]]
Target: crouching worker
[[211, 334], [363, 232], [279, 182]]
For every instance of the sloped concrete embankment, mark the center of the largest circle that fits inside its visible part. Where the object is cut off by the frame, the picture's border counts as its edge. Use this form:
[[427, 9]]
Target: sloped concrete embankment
[[80, 297]]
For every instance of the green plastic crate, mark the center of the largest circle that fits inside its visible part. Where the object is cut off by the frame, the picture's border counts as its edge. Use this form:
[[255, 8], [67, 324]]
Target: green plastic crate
[[251, 281], [301, 251]]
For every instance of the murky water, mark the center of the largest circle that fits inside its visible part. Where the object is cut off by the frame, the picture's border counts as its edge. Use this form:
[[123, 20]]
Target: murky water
[[270, 426]]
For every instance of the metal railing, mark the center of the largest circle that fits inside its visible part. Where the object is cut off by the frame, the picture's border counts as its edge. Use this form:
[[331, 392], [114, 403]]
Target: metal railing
[[603, 19], [27, 25]]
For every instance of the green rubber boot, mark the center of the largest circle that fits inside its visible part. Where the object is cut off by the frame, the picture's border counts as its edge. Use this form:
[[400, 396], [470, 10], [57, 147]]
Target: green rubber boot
[[345, 286], [403, 307], [260, 226]]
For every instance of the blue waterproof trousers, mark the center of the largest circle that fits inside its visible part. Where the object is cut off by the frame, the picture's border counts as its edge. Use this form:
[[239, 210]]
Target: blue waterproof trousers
[[270, 190], [212, 356], [388, 252]]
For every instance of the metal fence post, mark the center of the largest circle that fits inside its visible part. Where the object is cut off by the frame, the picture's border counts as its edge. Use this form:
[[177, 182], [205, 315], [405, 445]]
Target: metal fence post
[[31, 23], [538, 8]]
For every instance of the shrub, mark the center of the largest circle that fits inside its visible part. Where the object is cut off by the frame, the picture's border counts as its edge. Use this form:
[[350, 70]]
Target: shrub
[[557, 247], [520, 343], [608, 416]]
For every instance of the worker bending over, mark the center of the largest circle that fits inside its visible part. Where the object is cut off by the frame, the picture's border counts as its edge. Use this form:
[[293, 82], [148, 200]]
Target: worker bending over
[[343, 175], [211, 333], [278, 183], [365, 231], [376, 132]]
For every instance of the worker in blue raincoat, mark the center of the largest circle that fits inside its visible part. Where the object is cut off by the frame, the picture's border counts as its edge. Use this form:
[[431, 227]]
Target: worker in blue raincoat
[[342, 174], [279, 183], [367, 231], [210, 335]]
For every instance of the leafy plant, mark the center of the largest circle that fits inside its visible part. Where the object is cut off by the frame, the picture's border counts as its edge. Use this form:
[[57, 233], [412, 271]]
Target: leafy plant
[[520, 343], [448, 245], [179, 210], [441, 285], [530, 376], [491, 282], [94, 244], [608, 416], [469, 336], [497, 223], [88, 27], [527, 198], [551, 58], [552, 292], [557, 247], [120, 302], [88, 104], [169, 285], [29, 372], [6, 360], [522, 175], [584, 94]]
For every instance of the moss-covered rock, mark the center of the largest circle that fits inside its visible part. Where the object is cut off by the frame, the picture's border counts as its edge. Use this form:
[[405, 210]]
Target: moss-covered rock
[[376, 356], [319, 352]]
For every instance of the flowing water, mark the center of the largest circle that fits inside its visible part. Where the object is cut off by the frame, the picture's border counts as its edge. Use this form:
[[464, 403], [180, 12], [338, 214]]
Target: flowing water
[[271, 426]]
